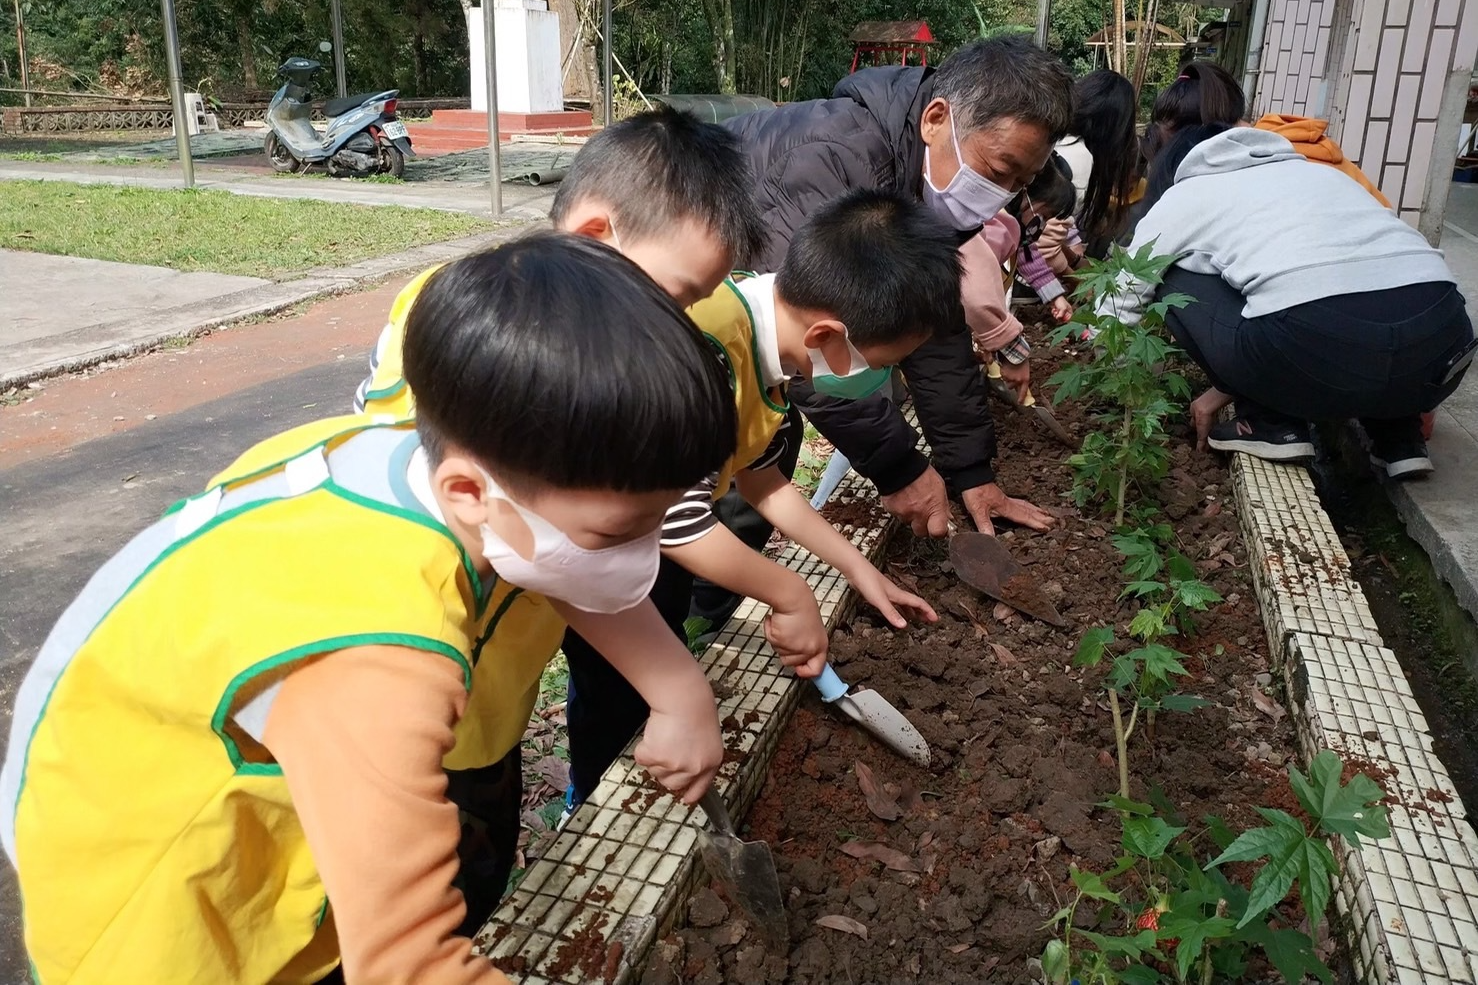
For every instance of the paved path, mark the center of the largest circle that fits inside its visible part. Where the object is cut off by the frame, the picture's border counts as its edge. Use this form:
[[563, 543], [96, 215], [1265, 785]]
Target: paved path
[[1440, 510], [467, 193]]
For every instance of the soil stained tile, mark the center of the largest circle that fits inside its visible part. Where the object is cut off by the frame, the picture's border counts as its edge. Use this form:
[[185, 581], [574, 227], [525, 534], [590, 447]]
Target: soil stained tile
[[1020, 750]]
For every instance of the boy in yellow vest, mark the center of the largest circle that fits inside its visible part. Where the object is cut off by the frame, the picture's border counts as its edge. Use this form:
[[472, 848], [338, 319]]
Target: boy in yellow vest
[[226, 762], [674, 194], [863, 284]]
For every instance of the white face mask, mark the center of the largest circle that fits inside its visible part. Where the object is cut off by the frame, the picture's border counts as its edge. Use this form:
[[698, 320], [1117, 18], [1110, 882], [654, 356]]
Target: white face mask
[[970, 199], [609, 580]]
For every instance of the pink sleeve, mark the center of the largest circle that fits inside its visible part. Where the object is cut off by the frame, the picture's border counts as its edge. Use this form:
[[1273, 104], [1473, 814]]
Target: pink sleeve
[[360, 735], [983, 293]]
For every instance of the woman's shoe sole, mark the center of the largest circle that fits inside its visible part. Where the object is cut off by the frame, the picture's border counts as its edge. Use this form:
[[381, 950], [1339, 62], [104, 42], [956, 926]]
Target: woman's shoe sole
[[1295, 451], [1405, 468]]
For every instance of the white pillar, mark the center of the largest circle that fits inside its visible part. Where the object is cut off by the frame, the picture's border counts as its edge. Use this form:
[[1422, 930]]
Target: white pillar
[[528, 62]]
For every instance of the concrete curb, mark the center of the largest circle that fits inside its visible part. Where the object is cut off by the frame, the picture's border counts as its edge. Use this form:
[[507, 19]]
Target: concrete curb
[[1408, 906], [100, 343]]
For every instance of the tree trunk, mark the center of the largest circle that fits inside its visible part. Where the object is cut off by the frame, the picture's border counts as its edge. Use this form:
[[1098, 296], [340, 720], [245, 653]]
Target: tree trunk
[[248, 52], [720, 17], [1141, 50], [1118, 51]]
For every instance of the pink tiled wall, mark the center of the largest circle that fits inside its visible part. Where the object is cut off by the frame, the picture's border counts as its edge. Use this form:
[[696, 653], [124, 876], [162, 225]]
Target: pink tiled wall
[[1379, 70]]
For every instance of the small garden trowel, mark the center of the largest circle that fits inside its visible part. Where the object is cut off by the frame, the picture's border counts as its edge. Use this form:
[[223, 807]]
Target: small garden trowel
[[868, 709], [746, 870], [982, 562], [1001, 389]]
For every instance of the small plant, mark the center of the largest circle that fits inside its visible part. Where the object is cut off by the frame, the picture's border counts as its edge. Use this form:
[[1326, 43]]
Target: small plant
[[1178, 916], [1127, 374]]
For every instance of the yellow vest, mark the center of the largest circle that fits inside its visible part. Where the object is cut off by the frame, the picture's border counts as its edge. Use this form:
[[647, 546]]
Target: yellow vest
[[725, 318], [384, 390], [505, 690], [154, 837]]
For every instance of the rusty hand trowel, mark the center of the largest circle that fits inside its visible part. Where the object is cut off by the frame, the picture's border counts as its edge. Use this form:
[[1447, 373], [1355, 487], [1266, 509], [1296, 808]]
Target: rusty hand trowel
[[1029, 406], [870, 710], [746, 870], [982, 562]]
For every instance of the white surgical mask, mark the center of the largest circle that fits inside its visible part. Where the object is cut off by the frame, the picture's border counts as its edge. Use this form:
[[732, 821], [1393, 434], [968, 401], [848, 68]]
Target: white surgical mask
[[612, 579], [970, 199]]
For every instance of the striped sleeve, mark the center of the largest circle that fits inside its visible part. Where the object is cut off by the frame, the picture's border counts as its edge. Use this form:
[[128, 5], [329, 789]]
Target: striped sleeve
[[692, 516], [777, 448]]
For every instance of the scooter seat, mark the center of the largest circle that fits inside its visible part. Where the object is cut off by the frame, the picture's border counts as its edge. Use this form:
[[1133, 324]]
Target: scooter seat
[[338, 107]]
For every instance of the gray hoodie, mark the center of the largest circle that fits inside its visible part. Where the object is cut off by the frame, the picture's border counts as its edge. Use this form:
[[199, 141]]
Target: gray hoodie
[[1280, 229]]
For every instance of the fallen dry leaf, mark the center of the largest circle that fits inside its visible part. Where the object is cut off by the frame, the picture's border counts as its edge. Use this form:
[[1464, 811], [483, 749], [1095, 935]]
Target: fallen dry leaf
[[1106, 759], [1267, 705], [959, 948], [1002, 612], [909, 798], [555, 771], [926, 840], [1005, 656], [891, 858], [915, 965], [878, 801], [1212, 509], [1047, 847], [835, 921]]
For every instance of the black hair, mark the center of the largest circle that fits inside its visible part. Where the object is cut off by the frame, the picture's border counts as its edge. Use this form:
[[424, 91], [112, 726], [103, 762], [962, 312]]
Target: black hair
[[1006, 78], [1204, 92], [555, 361], [1053, 191], [881, 263], [662, 167], [1104, 108], [1169, 160]]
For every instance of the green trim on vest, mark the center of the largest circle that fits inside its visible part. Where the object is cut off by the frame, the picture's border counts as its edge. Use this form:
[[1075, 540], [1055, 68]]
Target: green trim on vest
[[384, 392], [493, 623], [228, 700], [754, 355]]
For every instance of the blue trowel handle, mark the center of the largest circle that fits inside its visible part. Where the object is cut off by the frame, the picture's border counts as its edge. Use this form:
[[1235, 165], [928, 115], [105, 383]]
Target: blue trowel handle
[[830, 685]]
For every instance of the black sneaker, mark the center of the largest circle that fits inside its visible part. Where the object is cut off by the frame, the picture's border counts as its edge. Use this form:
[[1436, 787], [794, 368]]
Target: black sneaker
[[1403, 460], [1274, 442]]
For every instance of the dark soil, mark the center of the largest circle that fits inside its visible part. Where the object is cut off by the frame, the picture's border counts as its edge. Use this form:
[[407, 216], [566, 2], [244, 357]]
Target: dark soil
[[1022, 748]]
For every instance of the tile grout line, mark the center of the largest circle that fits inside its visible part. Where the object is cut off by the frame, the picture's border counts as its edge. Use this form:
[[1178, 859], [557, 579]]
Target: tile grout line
[[1409, 904]]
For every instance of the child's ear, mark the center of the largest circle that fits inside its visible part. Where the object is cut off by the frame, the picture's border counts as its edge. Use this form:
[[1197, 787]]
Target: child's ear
[[823, 332], [459, 487]]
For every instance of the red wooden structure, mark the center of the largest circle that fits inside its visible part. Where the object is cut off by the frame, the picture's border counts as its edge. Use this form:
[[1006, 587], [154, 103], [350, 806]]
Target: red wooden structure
[[878, 42]]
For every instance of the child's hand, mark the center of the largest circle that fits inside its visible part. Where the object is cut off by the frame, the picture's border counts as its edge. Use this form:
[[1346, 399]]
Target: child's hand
[[888, 599], [798, 636], [683, 751], [1062, 309]]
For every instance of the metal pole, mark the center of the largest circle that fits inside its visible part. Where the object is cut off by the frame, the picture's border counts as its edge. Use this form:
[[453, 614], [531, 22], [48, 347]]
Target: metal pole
[[336, 26], [1044, 21], [177, 92], [490, 71], [605, 31], [20, 43]]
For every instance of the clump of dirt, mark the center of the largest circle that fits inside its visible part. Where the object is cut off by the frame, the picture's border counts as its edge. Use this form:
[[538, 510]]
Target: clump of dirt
[[959, 888]]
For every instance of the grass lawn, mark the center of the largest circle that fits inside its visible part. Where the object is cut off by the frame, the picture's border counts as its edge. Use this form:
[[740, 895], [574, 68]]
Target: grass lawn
[[212, 230]]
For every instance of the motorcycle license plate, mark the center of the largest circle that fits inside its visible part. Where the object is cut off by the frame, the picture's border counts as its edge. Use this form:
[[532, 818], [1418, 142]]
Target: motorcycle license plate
[[394, 129]]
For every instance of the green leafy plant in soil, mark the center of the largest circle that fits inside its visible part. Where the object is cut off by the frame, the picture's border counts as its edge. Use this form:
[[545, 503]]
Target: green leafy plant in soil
[[212, 230], [1126, 375], [1176, 915]]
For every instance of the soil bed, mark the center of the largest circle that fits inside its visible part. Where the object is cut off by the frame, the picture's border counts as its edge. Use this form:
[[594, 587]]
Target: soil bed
[[1022, 748]]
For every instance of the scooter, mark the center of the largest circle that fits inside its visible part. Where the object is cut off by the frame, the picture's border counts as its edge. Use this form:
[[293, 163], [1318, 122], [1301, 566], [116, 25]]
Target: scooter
[[363, 136]]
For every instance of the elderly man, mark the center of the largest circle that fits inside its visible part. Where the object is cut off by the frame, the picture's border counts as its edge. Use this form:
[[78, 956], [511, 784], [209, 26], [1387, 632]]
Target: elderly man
[[965, 138]]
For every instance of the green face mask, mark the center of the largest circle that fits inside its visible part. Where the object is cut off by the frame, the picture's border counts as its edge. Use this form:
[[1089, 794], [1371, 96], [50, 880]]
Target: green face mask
[[860, 380]]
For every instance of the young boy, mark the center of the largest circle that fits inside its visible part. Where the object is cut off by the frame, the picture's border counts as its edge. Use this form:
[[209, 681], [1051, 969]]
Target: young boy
[[671, 192], [863, 284], [226, 761]]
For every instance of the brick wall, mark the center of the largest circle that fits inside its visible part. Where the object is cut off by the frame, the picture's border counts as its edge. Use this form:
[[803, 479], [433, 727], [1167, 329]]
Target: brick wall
[[1392, 78]]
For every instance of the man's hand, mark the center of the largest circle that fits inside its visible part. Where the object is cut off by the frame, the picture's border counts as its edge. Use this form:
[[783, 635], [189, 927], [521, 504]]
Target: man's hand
[[683, 751], [797, 634], [990, 500], [922, 504], [1062, 309], [888, 598], [1203, 413], [1019, 378]]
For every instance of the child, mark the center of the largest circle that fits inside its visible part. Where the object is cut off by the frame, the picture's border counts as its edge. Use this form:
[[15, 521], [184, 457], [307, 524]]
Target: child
[[672, 193], [863, 284], [1049, 196], [225, 763]]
